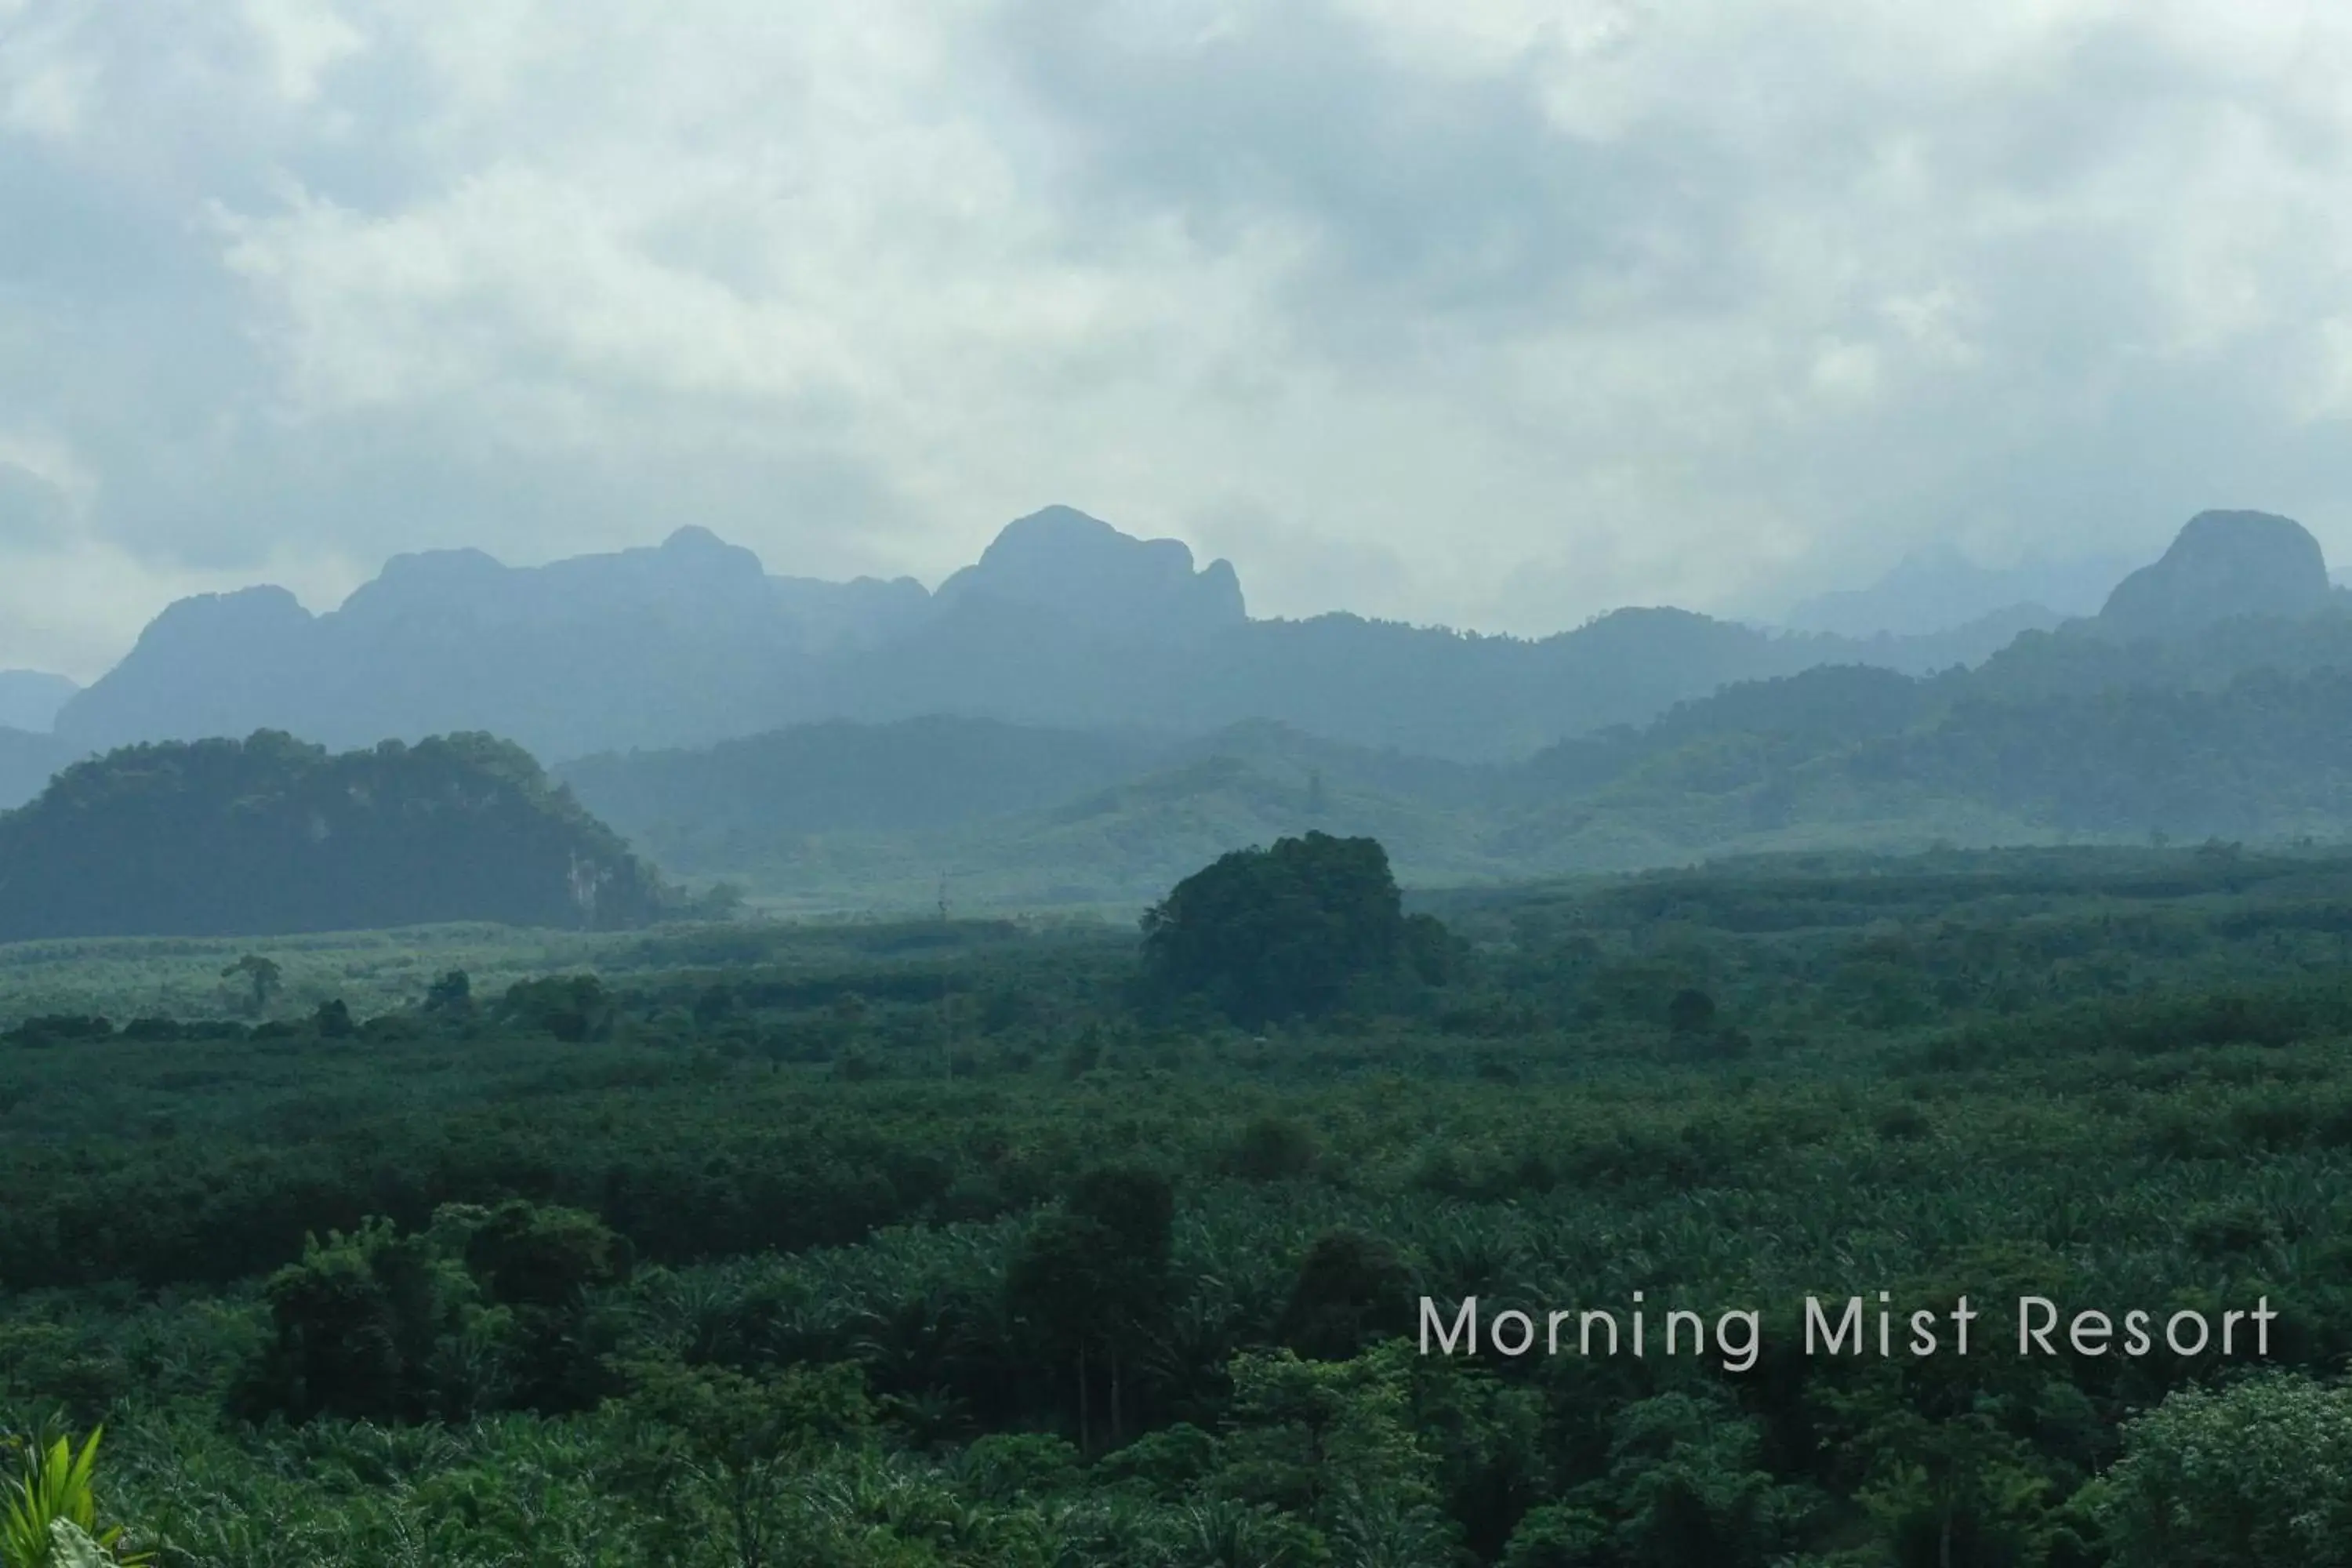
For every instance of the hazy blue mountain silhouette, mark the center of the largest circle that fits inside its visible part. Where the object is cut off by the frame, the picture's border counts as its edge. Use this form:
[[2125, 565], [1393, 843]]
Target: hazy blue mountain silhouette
[[2229, 724], [30, 698], [1369, 683], [1939, 590], [662, 645], [2222, 565], [1084, 715], [1064, 622], [1084, 573], [26, 760]]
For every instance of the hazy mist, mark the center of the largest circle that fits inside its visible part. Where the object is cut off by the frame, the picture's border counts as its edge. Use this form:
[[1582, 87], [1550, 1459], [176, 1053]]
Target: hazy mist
[[1491, 315]]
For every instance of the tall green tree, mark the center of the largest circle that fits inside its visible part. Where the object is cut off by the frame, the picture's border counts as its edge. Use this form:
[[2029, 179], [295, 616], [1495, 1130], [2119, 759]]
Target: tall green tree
[[731, 1456], [1088, 1282], [1270, 933], [262, 975], [2256, 1476]]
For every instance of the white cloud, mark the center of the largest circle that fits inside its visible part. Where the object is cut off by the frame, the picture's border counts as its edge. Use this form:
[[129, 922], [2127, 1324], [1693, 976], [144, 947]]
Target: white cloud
[[43, 90], [303, 39], [51, 461], [84, 600], [1492, 314]]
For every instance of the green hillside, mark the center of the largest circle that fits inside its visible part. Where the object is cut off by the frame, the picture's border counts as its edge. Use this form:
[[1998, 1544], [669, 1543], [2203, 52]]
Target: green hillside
[[2252, 742], [269, 835]]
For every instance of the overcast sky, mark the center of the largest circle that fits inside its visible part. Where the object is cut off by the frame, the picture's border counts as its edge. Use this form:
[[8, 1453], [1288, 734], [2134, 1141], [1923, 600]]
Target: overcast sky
[[1475, 311]]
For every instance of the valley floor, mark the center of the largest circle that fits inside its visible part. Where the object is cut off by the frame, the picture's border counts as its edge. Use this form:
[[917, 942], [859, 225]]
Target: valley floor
[[928, 1243]]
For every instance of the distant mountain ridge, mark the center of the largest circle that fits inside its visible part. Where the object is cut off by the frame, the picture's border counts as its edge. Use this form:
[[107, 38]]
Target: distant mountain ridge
[[2222, 565], [699, 809], [1941, 590], [1833, 757], [2235, 724], [2239, 725], [664, 646], [1063, 622], [27, 762], [1063, 563], [31, 698]]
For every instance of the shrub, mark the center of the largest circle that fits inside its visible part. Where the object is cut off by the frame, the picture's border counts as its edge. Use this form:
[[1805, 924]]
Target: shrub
[[2258, 1476], [1273, 1149]]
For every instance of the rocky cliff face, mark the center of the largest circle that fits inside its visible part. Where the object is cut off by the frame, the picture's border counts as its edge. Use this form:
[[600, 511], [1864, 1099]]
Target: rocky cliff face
[[687, 641], [1085, 572], [214, 664], [2222, 565], [1064, 622], [682, 641]]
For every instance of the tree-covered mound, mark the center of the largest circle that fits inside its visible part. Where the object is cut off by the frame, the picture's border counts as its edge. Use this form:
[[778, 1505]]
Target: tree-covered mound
[[269, 835], [1287, 931]]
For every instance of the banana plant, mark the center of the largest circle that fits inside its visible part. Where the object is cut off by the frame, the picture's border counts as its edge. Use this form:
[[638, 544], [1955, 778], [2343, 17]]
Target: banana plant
[[48, 1519]]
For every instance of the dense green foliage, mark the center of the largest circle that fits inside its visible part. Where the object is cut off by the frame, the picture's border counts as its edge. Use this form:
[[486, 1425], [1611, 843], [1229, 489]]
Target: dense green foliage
[[2260, 1472], [271, 835], [1279, 932], [920, 1245], [48, 1512]]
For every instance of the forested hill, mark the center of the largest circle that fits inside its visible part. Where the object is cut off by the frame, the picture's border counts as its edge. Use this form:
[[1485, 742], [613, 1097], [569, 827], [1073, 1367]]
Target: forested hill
[[272, 836], [1832, 755], [698, 808], [840, 816]]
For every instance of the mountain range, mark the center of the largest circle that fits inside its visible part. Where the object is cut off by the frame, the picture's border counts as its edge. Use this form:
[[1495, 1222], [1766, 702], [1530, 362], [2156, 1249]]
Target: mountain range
[[30, 698], [1940, 589], [2222, 717], [1063, 622], [1081, 717]]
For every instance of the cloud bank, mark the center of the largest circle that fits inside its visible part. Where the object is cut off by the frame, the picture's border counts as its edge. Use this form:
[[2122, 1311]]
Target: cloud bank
[[1494, 314]]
